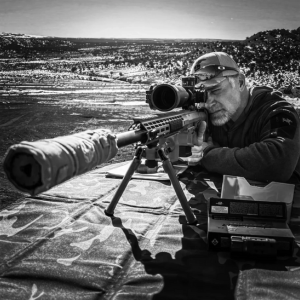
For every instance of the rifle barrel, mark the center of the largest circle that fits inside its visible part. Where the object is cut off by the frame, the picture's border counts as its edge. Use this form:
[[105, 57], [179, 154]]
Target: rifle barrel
[[130, 137]]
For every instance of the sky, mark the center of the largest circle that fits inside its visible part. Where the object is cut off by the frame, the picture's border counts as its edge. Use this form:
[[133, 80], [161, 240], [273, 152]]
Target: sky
[[173, 19]]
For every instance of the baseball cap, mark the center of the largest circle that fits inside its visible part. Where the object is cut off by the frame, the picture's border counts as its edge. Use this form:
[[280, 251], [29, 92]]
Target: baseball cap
[[212, 68]]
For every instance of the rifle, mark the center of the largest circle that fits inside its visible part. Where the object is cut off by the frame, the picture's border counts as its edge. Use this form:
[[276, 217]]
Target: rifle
[[35, 167]]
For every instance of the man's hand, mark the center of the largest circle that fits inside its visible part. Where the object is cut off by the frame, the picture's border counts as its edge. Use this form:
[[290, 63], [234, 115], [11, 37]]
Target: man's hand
[[200, 145], [198, 138]]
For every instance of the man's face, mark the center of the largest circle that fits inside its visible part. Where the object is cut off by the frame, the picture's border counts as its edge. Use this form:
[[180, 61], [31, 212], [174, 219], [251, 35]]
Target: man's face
[[223, 102]]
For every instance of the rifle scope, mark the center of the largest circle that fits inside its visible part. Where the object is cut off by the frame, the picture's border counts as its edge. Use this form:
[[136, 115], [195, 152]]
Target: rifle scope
[[166, 97]]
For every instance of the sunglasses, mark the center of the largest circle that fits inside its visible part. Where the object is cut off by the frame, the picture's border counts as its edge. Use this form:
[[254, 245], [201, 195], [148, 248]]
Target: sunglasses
[[211, 71]]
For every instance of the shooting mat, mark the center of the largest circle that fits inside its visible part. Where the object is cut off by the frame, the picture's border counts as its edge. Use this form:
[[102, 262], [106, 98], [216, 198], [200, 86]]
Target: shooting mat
[[61, 245]]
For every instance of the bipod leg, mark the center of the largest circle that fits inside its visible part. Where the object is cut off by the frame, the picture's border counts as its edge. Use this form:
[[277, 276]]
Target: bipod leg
[[109, 211], [167, 165]]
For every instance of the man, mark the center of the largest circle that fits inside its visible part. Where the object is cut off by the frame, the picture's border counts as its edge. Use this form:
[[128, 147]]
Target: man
[[254, 132]]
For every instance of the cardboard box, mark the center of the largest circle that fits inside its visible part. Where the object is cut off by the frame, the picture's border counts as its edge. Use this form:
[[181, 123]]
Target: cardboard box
[[234, 187]]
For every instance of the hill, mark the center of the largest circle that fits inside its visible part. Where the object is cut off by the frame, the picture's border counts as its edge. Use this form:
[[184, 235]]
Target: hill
[[275, 34]]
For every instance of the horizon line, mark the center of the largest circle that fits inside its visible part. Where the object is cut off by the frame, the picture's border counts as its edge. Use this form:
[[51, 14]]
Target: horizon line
[[144, 38], [118, 38]]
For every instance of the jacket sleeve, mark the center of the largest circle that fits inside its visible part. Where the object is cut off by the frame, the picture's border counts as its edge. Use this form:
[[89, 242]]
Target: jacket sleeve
[[273, 158]]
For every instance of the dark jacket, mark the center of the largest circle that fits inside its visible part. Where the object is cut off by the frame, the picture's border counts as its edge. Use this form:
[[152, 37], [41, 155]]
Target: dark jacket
[[263, 144]]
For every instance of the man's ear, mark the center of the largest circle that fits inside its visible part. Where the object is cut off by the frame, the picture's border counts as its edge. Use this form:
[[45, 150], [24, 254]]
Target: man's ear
[[242, 82]]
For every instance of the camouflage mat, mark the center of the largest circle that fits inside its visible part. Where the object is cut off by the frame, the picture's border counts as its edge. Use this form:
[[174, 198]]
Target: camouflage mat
[[61, 245]]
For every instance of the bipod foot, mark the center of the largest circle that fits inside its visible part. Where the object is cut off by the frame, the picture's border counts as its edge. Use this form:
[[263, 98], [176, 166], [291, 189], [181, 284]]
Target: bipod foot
[[108, 213]]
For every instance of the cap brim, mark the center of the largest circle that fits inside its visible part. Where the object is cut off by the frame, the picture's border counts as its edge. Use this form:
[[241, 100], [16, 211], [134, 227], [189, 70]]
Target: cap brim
[[210, 83], [216, 80]]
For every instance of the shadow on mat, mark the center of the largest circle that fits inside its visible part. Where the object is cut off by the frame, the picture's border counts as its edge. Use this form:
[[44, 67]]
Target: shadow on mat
[[192, 274]]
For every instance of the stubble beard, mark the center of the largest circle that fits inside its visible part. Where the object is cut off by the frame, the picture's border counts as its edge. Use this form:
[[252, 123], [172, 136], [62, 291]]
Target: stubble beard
[[222, 115], [220, 118]]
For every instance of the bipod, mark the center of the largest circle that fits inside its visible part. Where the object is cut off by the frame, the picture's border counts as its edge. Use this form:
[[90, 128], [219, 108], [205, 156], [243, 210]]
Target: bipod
[[168, 168]]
